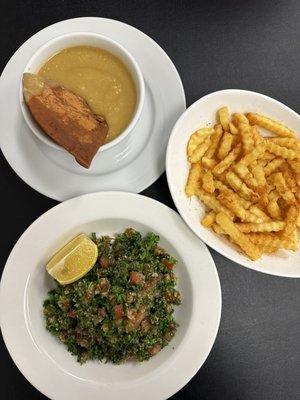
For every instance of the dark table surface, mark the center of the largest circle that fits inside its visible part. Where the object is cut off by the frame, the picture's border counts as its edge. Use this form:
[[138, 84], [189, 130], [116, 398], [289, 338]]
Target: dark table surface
[[253, 45]]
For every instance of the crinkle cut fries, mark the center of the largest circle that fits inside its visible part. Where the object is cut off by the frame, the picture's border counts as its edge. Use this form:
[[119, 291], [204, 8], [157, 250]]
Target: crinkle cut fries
[[249, 183]]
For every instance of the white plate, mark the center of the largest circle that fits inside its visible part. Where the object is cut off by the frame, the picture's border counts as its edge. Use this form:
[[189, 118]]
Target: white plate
[[56, 174], [201, 113], [46, 363]]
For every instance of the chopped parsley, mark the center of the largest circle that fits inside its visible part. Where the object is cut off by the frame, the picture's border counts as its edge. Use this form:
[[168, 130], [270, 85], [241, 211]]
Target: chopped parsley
[[123, 307]]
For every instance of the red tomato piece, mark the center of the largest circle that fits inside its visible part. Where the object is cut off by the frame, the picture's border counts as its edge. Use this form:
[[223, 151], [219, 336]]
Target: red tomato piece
[[168, 264], [119, 311], [155, 349], [136, 277], [104, 263]]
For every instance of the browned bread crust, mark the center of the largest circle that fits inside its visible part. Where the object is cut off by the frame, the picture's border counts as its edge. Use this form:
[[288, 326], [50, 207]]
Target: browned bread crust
[[67, 119]]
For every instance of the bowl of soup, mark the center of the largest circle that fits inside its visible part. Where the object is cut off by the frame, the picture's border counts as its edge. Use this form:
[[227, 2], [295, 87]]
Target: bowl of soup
[[99, 70]]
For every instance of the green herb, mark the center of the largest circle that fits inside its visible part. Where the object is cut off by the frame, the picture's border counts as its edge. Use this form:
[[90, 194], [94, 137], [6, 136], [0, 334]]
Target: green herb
[[123, 308]]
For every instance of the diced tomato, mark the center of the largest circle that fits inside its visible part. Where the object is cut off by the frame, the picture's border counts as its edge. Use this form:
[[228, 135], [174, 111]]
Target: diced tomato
[[168, 264], [155, 349], [104, 263], [119, 311], [102, 312], [72, 314], [78, 334], [66, 304], [136, 277]]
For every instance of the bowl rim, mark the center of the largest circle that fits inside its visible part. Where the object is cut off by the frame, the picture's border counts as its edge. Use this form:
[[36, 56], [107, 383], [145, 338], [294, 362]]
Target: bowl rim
[[140, 89], [243, 261], [193, 367]]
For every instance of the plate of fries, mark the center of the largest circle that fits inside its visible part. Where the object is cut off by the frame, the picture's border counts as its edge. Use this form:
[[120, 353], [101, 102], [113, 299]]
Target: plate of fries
[[233, 169]]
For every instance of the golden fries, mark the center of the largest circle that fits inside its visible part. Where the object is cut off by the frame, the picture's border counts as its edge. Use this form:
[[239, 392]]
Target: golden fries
[[259, 213], [247, 138], [237, 236], [225, 145], [258, 174], [274, 209], [228, 199], [208, 182], [295, 165], [273, 165], [272, 226], [217, 229], [208, 163], [270, 125], [253, 155], [271, 240], [283, 189], [196, 139], [288, 142], [224, 118], [209, 219], [243, 171], [249, 183], [227, 161], [239, 186], [193, 179], [290, 222], [211, 202], [221, 187], [215, 139], [240, 118], [233, 129], [282, 151], [200, 150]]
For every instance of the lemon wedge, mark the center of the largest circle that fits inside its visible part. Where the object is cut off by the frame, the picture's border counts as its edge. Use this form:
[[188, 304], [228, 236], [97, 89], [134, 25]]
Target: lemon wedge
[[74, 260]]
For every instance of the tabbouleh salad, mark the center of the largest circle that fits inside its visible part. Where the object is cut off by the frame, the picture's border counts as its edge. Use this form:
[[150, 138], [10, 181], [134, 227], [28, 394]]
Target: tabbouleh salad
[[122, 309]]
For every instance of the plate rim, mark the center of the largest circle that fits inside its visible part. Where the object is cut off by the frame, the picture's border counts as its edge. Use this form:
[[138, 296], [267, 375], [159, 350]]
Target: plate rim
[[172, 212], [183, 214], [52, 193]]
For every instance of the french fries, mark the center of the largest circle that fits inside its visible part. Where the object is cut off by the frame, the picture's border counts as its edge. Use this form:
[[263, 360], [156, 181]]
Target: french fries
[[215, 139], [225, 145], [209, 219], [211, 202], [247, 138], [208, 182], [196, 139], [258, 174], [233, 129], [283, 189], [237, 236], [239, 186], [281, 151], [273, 166], [249, 183], [193, 181], [227, 161], [270, 125], [272, 226], [224, 118], [200, 150]]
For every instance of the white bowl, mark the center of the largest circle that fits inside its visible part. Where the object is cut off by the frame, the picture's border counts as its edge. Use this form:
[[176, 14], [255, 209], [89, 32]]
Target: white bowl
[[45, 362], [202, 113], [89, 39]]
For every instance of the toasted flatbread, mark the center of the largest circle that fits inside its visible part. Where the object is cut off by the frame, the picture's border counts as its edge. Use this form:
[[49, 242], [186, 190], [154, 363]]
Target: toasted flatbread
[[65, 117]]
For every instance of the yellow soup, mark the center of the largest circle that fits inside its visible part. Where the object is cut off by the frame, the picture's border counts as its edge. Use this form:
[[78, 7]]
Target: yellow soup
[[100, 78]]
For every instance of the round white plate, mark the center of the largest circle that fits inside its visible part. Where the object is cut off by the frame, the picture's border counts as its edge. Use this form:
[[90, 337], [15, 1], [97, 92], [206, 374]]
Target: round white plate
[[202, 113], [46, 363], [55, 173]]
